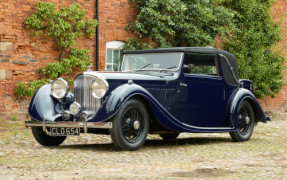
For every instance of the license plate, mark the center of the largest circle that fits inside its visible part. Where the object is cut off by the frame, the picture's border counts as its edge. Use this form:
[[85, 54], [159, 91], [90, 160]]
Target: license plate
[[60, 131]]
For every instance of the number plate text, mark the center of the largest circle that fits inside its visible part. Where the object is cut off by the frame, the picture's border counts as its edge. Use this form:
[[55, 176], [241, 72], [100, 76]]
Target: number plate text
[[60, 131]]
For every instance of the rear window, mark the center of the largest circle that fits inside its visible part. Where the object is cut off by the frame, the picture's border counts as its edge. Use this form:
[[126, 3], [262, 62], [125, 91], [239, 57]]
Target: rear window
[[201, 64]]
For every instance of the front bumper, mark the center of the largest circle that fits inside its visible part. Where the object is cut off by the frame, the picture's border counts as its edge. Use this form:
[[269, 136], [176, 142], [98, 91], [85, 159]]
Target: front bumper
[[85, 125]]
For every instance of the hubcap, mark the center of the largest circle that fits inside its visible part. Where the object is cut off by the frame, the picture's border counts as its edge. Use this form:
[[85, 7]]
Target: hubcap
[[247, 120], [136, 125]]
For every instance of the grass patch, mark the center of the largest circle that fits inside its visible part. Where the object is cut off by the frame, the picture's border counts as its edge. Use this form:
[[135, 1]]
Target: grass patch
[[11, 124], [13, 118]]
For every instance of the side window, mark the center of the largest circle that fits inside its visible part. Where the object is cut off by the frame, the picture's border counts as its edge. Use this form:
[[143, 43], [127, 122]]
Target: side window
[[113, 55], [201, 64]]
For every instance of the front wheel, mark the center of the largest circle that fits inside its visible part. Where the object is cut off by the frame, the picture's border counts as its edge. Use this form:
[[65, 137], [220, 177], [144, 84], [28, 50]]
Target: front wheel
[[44, 139], [245, 123], [130, 126]]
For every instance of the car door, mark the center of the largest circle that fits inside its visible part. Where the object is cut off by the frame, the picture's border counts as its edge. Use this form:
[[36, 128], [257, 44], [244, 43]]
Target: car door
[[201, 100]]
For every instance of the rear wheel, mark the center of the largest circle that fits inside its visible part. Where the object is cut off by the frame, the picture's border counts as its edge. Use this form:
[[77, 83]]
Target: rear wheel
[[169, 136], [245, 123], [130, 126], [44, 139]]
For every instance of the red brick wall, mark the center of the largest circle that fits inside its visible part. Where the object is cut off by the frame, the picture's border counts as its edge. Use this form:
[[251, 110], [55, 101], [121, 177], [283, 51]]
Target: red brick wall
[[21, 54], [279, 103], [114, 16]]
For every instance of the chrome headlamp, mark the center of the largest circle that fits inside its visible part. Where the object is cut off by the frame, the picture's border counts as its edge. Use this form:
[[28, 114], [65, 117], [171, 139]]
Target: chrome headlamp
[[99, 88], [75, 108], [59, 88]]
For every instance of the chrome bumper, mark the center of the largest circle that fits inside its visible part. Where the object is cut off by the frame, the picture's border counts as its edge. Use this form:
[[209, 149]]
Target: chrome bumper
[[85, 125]]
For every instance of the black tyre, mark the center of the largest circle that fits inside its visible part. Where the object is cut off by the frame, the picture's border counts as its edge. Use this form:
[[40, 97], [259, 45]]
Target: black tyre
[[130, 126], [169, 136], [46, 140], [245, 123]]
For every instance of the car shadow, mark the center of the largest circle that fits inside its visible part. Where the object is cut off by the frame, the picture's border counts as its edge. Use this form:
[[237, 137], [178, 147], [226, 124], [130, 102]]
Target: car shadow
[[150, 143], [196, 141]]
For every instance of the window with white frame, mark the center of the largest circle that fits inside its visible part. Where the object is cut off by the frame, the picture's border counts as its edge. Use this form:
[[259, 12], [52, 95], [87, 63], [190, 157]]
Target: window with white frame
[[113, 55]]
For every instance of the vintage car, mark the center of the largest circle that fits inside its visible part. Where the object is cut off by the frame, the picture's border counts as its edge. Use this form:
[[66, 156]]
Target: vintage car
[[161, 91]]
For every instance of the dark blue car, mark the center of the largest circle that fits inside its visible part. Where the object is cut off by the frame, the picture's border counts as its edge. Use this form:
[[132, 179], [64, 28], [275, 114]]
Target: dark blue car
[[161, 91]]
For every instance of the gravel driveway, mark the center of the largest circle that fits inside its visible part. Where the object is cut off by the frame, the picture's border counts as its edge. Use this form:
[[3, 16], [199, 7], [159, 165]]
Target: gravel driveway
[[191, 156]]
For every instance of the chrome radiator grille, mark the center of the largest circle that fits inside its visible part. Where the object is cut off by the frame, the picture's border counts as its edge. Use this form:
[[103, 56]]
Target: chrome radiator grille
[[83, 94]]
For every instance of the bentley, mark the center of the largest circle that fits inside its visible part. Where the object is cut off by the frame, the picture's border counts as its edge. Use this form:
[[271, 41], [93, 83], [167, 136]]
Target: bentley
[[162, 91]]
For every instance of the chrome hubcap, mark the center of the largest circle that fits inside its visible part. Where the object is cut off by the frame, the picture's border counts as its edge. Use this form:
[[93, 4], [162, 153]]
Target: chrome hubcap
[[136, 125], [247, 120]]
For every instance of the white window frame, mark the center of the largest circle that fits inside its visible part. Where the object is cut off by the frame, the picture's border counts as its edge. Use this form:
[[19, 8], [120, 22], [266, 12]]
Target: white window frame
[[113, 45]]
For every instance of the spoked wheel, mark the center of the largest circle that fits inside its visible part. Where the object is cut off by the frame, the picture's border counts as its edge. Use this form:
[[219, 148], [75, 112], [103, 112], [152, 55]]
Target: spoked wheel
[[131, 123], [44, 139], [130, 126], [245, 123]]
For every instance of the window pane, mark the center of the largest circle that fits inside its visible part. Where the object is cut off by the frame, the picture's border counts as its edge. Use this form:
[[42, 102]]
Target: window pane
[[200, 64], [108, 67], [109, 56], [116, 56], [116, 67], [120, 57], [211, 70]]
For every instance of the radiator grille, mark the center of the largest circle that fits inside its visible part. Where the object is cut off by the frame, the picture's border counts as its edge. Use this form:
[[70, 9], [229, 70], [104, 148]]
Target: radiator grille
[[83, 94]]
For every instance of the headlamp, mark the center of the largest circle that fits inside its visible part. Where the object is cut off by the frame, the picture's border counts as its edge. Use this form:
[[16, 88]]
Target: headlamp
[[99, 88], [75, 108], [59, 88]]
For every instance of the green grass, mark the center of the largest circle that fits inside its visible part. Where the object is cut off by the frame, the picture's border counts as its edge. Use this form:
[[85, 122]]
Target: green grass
[[11, 124]]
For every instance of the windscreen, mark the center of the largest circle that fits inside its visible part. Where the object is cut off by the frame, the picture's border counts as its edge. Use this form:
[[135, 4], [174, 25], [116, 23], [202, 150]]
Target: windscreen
[[151, 62]]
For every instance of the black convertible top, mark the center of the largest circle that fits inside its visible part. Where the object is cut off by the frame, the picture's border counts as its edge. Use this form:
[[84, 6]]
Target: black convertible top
[[177, 49], [227, 72]]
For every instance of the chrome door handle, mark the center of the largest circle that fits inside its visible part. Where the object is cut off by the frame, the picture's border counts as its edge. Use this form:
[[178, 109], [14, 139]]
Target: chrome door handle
[[183, 84]]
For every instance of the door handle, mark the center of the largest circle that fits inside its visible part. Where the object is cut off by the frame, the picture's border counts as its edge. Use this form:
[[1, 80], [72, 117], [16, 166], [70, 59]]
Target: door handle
[[183, 84]]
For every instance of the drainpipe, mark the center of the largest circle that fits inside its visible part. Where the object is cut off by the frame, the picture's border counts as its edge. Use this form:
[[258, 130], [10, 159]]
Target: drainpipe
[[97, 36]]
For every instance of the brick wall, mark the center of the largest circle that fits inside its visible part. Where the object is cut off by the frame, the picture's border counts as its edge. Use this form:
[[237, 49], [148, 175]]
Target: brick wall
[[279, 103], [114, 16], [21, 54]]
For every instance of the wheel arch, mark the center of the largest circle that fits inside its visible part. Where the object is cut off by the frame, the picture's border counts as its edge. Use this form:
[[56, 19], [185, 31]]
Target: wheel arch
[[120, 96], [146, 104], [254, 108], [43, 104], [130, 125], [245, 95], [155, 125]]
